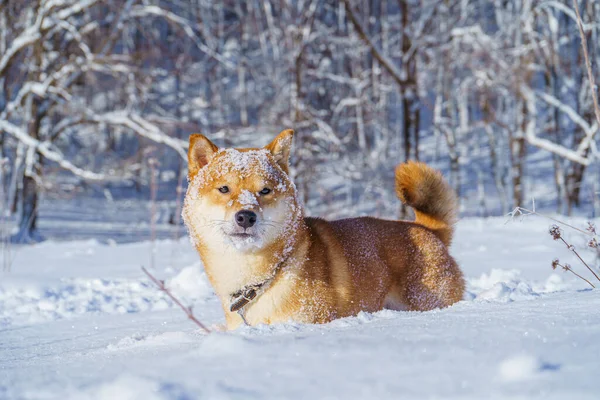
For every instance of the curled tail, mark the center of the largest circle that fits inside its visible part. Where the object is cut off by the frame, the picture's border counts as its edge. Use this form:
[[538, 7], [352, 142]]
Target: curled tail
[[425, 190]]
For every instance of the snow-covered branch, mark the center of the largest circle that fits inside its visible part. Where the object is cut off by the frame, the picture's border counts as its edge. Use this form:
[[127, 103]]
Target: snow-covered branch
[[534, 140], [28, 37], [589, 130], [387, 64], [141, 127], [44, 20], [186, 26], [46, 150], [568, 111]]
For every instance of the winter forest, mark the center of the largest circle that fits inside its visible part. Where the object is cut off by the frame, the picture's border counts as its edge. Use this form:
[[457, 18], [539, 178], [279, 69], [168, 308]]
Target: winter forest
[[107, 294], [99, 97]]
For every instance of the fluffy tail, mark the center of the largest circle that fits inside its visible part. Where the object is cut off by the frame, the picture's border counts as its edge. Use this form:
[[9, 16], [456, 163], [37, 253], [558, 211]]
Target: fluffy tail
[[425, 190]]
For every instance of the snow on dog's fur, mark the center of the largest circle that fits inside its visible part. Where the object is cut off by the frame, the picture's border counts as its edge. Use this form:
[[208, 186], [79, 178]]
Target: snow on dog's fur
[[245, 220]]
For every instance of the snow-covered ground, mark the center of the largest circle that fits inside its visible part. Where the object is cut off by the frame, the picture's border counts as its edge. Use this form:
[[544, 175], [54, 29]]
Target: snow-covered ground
[[78, 320]]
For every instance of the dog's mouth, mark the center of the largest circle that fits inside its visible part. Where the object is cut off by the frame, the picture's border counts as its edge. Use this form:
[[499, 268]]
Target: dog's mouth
[[244, 240], [242, 235]]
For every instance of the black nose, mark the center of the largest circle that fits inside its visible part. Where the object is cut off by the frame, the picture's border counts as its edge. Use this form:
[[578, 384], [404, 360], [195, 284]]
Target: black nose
[[245, 218]]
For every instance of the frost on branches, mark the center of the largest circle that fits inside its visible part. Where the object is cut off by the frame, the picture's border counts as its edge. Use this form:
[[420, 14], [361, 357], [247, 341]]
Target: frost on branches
[[71, 87], [497, 95]]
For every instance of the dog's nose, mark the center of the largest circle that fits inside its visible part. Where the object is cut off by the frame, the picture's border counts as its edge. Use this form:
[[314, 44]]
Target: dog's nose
[[245, 218]]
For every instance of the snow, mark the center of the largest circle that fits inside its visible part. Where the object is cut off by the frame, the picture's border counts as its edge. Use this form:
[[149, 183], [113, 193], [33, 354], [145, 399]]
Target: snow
[[243, 164], [521, 367], [247, 199], [78, 320], [45, 148]]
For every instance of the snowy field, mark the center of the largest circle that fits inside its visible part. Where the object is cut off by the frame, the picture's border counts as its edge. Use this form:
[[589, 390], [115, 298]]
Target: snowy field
[[78, 320]]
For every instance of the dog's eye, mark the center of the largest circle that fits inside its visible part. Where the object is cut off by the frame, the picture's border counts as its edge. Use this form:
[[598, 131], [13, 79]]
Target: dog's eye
[[265, 191], [224, 189]]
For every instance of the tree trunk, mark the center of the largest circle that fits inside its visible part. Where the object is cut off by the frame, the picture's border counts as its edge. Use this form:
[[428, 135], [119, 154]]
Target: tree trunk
[[559, 173], [574, 180], [408, 95], [29, 198], [27, 232], [417, 127], [406, 128], [518, 166], [496, 170], [455, 172], [517, 155]]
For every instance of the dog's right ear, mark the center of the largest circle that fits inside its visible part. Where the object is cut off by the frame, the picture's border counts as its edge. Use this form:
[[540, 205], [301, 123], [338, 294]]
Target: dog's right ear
[[200, 152]]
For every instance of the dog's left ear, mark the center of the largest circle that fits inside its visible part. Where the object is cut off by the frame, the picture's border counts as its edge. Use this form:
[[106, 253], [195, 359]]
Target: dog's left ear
[[280, 148]]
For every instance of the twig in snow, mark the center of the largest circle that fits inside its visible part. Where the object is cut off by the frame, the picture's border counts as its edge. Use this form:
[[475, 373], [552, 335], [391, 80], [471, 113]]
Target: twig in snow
[[566, 267], [186, 310], [593, 243], [525, 212], [556, 234]]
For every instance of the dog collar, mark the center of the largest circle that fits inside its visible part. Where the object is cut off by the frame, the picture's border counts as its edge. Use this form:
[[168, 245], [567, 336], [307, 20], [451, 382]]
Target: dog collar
[[244, 296], [248, 293]]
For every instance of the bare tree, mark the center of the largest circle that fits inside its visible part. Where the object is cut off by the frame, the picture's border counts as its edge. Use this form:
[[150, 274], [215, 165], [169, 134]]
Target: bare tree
[[495, 93], [56, 51]]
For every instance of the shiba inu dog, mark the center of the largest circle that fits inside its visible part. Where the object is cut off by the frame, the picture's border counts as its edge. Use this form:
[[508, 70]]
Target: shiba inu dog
[[268, 263]]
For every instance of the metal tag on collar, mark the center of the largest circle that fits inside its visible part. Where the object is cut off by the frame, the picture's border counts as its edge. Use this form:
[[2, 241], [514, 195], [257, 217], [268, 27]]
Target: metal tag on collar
[[241, 314]]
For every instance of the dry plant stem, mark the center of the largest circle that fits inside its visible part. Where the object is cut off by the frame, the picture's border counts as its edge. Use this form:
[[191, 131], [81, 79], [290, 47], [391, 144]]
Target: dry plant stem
[[186, 310], [578, 256], [525, 210], [576, 274], [581, 277], [588, 64]]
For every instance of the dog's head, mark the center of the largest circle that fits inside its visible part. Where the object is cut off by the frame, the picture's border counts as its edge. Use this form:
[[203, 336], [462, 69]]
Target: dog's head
[[240, 198]]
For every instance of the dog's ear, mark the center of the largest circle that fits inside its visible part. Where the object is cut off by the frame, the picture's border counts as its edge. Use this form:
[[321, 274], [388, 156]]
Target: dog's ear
[[200, 152], [280, 148]]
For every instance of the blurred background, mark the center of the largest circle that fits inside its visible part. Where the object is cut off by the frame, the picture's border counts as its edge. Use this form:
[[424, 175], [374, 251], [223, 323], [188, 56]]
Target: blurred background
[[98, 98]]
